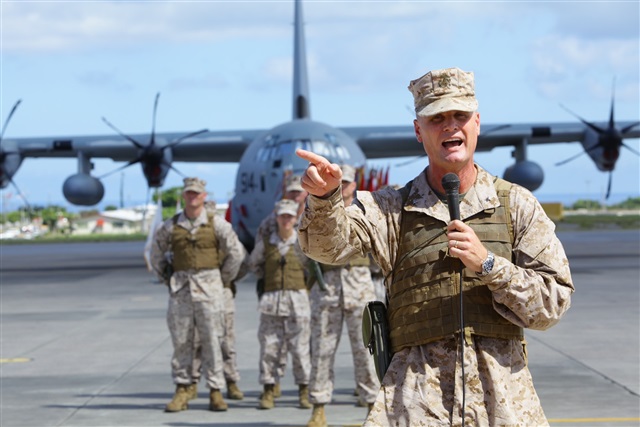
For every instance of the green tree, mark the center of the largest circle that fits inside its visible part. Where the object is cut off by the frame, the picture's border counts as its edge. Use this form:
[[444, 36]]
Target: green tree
[[14, 216], [630, 203], [110, 208], [50, 215], [586, 204], [169, 197]]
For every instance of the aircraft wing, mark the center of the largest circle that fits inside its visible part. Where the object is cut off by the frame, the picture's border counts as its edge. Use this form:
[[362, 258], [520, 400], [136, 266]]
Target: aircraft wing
[[400, 141], [219, 146]]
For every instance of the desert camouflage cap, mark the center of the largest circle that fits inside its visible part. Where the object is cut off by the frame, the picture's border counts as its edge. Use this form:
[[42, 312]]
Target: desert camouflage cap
[[294, 183], [286, 206], [195, 184], [348, 173], [443, 90]]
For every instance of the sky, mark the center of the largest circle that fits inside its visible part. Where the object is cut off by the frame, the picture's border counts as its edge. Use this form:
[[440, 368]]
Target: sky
[[228, 65]]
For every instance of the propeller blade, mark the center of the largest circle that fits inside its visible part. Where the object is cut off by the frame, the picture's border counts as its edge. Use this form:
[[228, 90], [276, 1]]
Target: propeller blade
[[133, 141], [609, 185], [628, 128], [176, 170], [630, 149], [593, 147], [21, 194], [132, 162], [589, 124], [153, 122], [6, 122], [612, 124], [571, 158]]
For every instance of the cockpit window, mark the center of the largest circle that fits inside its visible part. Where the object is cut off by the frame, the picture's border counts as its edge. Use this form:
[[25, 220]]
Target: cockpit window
[[278, 150]]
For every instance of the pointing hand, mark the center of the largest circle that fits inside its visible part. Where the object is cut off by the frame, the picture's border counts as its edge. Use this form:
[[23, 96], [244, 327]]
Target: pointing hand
[[321, 177]]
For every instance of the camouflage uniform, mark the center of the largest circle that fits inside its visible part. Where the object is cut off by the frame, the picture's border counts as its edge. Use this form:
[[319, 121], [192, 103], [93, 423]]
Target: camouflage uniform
[[196, 298], [343, 301], [284, 319], [267, 226], [422, 385], [227, 343]]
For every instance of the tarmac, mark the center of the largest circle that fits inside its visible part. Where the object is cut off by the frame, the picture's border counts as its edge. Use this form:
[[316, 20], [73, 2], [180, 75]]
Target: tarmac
[[84, 343]]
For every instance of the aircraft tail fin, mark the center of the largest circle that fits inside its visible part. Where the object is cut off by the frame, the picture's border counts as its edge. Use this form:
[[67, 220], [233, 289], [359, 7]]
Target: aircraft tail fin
[[301, 109]]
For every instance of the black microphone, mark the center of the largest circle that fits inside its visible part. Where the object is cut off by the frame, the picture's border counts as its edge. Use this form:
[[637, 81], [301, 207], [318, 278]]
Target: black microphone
[[451, 184]]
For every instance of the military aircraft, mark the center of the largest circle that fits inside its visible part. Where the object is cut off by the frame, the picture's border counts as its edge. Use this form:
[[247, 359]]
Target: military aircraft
[[266, 156]]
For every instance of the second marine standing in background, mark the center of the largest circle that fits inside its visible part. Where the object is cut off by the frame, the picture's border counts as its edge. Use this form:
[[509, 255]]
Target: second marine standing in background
[[285, 312]]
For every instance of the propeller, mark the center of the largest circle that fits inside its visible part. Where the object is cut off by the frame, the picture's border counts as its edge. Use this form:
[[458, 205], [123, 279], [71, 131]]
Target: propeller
[[609, 139], [4, 153], [151, 155], [415, 159]]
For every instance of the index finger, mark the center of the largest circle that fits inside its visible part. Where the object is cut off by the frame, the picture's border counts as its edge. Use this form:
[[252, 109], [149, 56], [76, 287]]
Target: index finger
[[311, 157]]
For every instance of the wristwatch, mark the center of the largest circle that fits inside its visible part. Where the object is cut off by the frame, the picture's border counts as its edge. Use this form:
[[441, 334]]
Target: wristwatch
[[487, 264]]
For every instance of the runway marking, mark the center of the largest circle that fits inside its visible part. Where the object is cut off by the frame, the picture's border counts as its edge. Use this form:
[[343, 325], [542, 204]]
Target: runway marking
[[591, 420], [15, 360]]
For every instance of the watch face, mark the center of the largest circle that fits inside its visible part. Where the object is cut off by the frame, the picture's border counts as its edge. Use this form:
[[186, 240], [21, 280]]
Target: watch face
[[487, 265]]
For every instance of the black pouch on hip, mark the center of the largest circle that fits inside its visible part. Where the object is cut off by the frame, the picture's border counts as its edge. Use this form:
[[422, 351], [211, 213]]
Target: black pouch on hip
[[375, 335]]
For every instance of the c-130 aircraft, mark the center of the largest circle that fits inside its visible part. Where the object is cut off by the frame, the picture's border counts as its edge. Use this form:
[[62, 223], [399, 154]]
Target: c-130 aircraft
[[266, 156]]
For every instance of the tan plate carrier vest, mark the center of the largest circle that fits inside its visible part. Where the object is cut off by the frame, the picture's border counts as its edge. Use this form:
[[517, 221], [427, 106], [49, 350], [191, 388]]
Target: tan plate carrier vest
[[197, 251], [424, 297], [278, 275]]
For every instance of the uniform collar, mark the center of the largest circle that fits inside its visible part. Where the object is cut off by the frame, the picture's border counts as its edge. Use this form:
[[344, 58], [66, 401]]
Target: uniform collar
[[481, 196], [185, 222]]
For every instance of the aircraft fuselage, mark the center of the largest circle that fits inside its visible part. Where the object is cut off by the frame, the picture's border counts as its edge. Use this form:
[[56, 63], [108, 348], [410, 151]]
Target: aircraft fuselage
[[271, 157]]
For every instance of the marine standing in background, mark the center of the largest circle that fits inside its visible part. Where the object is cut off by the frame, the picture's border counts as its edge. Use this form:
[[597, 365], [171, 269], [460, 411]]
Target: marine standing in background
[[450, 367], [293, 191], [228, 340], [284, 305], [185, 253], [348, 288]]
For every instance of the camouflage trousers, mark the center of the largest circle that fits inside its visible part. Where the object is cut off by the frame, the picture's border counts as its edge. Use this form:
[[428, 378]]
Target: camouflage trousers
[[184, 316], [227, 342], [293, 333], [326, 329], [423, 387]]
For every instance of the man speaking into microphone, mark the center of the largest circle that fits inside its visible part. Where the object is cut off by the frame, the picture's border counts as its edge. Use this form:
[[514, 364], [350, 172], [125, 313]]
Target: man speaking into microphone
[[459, 357]]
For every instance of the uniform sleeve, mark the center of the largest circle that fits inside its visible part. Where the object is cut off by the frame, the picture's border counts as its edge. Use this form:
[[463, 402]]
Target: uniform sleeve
[[230, 245], [257, 259], [533, 291], [159, 249], [332, 234]]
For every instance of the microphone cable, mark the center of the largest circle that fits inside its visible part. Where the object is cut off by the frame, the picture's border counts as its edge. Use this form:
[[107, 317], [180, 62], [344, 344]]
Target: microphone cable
[[451, 185]]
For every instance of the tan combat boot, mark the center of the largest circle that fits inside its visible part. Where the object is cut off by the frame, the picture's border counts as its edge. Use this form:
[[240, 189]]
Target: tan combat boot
[[276, 390], [216, 402], [303, 396], [180, 399], [266, 399], [318, 418], [233, 392], [192, 391]]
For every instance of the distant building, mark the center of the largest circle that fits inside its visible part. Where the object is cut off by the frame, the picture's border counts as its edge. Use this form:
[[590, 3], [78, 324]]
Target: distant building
[[121, 221]]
